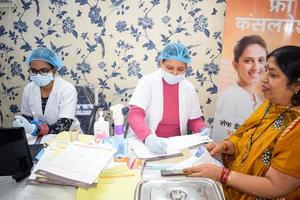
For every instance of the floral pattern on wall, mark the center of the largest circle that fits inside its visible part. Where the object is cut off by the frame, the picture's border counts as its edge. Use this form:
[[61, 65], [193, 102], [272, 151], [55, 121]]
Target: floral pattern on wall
[[110, 44]]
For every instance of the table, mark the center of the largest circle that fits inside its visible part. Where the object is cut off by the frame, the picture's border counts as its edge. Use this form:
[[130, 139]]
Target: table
[[10, 190]]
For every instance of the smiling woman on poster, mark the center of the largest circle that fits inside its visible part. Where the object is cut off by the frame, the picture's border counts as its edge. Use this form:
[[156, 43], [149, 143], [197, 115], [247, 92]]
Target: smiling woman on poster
[[237, 102]]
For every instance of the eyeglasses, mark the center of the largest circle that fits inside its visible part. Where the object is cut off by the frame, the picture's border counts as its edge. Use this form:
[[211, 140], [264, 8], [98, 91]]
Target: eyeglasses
[[43, 72]]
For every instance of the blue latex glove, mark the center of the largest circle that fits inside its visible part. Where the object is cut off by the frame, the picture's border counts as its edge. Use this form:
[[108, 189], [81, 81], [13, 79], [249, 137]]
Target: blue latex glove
[[118, 143], [36, 122], [156, 144], [205, 131], [22, 122]]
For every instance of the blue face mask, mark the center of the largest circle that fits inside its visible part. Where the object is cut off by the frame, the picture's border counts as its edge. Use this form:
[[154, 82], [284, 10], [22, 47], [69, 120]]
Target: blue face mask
[[42, 80], [171, 79]]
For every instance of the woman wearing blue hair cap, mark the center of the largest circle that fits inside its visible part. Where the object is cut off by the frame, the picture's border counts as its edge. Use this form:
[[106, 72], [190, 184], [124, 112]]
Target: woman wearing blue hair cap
[[48, 102], [164, 103]]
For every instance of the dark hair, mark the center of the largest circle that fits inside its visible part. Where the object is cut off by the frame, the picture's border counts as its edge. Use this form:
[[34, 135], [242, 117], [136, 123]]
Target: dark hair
[[243, 43], [52, 66], [288, 60]]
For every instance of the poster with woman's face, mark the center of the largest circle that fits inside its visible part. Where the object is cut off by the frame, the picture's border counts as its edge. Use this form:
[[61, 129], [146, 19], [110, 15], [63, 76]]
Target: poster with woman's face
[[249, 24]]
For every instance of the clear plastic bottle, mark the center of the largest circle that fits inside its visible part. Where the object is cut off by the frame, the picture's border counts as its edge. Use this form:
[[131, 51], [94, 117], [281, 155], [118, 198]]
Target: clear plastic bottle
[[101, 128], [74, 135], [118, 140]]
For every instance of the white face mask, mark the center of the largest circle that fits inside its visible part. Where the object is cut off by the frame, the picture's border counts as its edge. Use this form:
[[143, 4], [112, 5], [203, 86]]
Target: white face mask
[[42, 80], [171, 79]]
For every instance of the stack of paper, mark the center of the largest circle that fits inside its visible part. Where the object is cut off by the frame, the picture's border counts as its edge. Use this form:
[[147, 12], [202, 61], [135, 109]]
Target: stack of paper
[[143, 152], [56, 145], [175, 144], [78, 165], [185, 141]]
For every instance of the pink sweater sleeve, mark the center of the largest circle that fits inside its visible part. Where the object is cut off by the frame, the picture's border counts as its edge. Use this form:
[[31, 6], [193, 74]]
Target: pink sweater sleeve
[[136, 120], [195, 125]]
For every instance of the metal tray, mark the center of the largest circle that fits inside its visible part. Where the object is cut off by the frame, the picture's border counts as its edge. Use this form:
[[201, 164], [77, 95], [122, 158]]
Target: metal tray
[[178, 189]]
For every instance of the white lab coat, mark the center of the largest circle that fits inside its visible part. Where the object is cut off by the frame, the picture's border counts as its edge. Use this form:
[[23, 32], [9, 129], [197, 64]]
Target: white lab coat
[[148, 95], [233, 107], [61, 102]]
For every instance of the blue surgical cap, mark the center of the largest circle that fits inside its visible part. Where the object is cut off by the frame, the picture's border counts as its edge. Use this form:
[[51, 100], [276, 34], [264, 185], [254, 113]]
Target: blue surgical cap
[[46, 55], [175, 51]]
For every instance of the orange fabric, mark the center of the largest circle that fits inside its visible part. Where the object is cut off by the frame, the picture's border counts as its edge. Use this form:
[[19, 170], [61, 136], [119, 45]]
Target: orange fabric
[[286, 154], [266, 136]]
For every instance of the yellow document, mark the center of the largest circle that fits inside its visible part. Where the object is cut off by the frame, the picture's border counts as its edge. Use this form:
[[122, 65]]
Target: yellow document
[[65, 137], [113, 184], [62, 140]]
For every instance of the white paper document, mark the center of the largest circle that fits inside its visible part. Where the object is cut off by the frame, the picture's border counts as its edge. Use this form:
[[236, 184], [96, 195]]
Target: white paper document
[[143, 152], [185, 141], [200, 156], [175, 144], [80, 162], [43, 161]]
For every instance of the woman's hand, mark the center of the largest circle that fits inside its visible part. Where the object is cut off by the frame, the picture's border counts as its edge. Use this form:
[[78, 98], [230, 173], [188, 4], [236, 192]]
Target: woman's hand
[[204, 170], [215, 148]]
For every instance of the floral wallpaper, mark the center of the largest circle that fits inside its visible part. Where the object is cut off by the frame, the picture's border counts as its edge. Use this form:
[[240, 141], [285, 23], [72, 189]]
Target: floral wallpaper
[[110, 44]]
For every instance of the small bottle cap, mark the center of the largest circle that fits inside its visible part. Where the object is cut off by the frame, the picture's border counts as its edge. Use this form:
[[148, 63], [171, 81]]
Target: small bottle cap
[[101, 115]]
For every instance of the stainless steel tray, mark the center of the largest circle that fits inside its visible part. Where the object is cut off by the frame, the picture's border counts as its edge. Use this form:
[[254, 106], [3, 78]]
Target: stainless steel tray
[[182, 188]]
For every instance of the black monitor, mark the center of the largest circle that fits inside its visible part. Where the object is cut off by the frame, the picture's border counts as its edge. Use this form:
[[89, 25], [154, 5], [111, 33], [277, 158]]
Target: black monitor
[[15, 157]]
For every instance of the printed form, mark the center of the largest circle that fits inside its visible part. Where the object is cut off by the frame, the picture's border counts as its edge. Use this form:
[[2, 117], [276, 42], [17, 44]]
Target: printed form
[[175, 144], [79, 162]]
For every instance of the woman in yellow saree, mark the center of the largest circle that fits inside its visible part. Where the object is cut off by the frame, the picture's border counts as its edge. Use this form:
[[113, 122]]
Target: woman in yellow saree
[[262, 157]]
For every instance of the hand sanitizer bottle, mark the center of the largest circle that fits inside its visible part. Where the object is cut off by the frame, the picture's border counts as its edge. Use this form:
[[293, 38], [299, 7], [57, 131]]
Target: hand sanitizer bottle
[[118, 141], [101, 128]]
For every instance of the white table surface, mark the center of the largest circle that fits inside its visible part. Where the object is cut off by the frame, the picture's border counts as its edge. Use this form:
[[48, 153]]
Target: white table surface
[[10, 190]]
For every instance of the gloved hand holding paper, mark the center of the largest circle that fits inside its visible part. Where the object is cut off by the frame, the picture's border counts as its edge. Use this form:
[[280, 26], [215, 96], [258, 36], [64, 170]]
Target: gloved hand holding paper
[[205, 132], [156, 144]]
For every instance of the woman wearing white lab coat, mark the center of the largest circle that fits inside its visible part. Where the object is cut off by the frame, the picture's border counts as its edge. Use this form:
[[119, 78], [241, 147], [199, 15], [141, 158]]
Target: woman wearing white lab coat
[[148, 96], [48, 102], [164, 103]]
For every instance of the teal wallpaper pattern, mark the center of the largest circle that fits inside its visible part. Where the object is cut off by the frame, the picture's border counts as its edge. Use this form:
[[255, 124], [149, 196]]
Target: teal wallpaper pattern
[[110, 44]]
